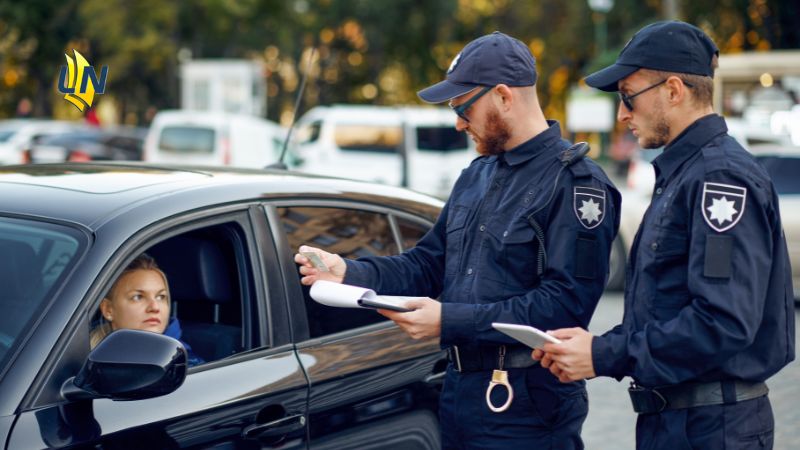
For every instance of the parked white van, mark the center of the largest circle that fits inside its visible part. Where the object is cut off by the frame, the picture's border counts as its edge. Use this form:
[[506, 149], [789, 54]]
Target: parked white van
[[415, 147], [213, 139]]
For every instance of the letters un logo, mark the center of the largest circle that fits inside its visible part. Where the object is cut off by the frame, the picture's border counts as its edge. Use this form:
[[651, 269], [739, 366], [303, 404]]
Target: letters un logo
[[79, 82]]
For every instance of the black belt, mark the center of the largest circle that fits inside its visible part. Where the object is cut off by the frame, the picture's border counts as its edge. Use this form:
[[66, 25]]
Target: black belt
[[476, 358], [681, 396]]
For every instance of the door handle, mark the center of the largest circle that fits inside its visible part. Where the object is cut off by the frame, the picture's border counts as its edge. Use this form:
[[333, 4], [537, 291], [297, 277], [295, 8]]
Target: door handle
[[280, 427]]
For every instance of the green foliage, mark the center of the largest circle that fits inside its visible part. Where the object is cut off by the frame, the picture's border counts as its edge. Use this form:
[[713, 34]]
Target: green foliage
[[368, 51]]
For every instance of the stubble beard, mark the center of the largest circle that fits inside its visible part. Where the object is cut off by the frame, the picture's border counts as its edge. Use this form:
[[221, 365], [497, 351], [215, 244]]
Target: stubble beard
[[661, 131]]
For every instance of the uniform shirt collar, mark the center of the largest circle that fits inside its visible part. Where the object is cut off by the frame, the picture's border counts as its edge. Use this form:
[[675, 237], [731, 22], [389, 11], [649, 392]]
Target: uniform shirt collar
[[534, 146], [687, 144]]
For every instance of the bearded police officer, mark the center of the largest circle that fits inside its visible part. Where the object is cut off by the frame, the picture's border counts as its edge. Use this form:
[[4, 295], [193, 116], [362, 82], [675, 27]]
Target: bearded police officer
[[524, 238], [709, 309]]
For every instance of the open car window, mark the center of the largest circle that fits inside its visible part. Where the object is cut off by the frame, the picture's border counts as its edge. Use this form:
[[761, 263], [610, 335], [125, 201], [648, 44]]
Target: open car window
[[211, 291]]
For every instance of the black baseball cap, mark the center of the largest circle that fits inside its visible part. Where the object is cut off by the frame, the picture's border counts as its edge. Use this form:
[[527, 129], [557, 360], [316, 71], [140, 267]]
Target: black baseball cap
[[487, 61], [671, 46]]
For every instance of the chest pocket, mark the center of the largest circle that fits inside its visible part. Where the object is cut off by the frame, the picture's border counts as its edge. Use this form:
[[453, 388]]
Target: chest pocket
[[514, 251], [456, 224]]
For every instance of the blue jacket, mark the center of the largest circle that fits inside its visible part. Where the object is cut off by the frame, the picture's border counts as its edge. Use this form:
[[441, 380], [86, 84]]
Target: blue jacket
[[174, 331], [480, 258], [708, 292]]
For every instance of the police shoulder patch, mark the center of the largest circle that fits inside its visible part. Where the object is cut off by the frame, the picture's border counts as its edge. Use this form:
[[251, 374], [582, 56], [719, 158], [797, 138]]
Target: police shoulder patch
[[723, 205], [589, 205]]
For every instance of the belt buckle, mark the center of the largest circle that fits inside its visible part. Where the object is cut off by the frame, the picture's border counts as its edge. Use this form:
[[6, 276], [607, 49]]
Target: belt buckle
[[455, 357]]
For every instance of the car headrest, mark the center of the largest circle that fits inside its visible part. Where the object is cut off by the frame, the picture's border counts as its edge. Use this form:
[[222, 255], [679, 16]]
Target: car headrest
[[195, 269], [17, 263]]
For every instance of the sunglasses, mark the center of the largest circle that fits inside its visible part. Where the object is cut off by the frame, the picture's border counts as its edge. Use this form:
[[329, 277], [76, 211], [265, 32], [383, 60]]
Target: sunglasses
[[627, 100], [461, 110]]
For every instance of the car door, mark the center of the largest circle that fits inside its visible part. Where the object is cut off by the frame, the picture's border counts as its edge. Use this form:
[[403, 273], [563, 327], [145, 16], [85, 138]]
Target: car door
[[253, 396], [372, 386]]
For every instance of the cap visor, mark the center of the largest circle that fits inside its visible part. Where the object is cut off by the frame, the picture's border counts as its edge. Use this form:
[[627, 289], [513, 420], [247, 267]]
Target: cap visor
[[444, 91], [606, 79]]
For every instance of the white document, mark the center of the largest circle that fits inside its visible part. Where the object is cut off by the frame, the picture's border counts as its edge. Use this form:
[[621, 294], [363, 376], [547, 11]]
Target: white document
[[530, 336], [347, 296]]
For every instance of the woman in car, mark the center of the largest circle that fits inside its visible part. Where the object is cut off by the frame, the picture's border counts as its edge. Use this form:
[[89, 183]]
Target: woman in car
[[139, 300]]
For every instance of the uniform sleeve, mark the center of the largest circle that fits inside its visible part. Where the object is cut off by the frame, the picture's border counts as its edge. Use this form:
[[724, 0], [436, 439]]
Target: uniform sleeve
[[416, 272], [571, 284], [730, 249]]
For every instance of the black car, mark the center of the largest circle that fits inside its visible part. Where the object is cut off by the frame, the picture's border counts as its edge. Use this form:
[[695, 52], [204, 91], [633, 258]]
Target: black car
[[281, 371], [89, 144]]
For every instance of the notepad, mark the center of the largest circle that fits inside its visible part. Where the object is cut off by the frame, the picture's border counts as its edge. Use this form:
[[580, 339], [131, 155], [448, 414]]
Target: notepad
[[530, 336], [347, 296]]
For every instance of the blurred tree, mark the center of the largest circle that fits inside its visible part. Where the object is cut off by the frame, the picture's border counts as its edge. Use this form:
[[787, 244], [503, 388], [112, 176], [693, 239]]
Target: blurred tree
[[367, 51]]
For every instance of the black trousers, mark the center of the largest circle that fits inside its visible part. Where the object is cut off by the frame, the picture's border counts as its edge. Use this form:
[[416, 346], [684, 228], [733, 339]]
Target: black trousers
[[745, 425]]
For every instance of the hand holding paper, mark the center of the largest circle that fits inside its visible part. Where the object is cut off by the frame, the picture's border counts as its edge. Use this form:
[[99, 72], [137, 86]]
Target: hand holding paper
[[346, 296]]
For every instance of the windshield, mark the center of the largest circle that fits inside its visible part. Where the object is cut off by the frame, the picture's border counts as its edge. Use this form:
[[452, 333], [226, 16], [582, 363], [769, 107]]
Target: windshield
[[33, 258]]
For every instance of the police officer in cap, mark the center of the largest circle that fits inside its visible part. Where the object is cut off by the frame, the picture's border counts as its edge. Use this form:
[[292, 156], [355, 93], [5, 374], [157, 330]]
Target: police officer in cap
[[709, 308], [524, 238]]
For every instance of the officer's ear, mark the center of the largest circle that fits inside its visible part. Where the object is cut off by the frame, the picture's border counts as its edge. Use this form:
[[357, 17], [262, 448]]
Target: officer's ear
[[504, 97], [676, 90]]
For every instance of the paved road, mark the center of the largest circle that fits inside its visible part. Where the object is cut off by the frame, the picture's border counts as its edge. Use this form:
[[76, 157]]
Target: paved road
[[611, 420]]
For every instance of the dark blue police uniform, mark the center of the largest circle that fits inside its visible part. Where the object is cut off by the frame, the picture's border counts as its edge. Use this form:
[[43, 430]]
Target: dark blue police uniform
[[482, 259], [709, 309]]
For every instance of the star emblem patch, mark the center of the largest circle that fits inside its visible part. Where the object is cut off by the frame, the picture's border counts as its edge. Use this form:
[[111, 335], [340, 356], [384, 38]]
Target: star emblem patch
[[723, 205], [590, 206]]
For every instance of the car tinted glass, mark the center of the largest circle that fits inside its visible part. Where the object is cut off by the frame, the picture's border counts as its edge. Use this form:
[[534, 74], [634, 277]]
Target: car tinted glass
[[34, 258], [783, 171], [411, 232], [185, 139], [348, 232], [440, 139], [369, 138]]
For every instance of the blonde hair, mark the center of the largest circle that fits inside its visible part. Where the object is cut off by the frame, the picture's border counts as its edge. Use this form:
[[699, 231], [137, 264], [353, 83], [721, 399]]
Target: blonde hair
[[141, 262]]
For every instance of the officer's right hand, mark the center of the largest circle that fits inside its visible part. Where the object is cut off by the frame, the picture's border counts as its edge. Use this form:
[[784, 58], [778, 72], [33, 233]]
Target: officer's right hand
[[335, 263]]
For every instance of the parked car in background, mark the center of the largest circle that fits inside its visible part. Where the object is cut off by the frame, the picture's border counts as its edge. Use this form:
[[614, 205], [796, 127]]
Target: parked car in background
[[414, 147], [280, 371], [783, 165], [89, 144], [17, 135], [213, 139]]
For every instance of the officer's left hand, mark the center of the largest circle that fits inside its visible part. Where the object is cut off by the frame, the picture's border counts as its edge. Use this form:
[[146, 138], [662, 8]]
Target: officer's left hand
[[424, 322], [572, 358]]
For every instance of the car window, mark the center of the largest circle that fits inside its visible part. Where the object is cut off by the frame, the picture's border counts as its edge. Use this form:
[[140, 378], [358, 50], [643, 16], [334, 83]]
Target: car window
[[187, 139], [34, 257], [350, 233], [441, 139], [211, 291], [783, 171], [369, 138]]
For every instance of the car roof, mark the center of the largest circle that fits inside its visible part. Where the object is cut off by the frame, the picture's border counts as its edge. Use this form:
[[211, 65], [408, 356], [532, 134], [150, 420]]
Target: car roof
[[93, 194]]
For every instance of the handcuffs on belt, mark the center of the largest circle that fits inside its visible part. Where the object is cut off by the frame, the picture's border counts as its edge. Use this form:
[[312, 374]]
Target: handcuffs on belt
[[500, 377]]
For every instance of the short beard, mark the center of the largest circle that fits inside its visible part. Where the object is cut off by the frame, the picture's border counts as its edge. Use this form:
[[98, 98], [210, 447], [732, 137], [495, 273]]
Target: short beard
[[496, 136]]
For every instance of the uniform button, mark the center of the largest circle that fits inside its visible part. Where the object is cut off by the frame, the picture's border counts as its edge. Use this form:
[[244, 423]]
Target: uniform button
[[483, 228], [659, 191], [505, 233], [469, 271], [654, 245]]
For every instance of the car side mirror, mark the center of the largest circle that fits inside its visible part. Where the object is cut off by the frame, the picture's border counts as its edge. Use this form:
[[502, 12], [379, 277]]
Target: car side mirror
[[129, 365]]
